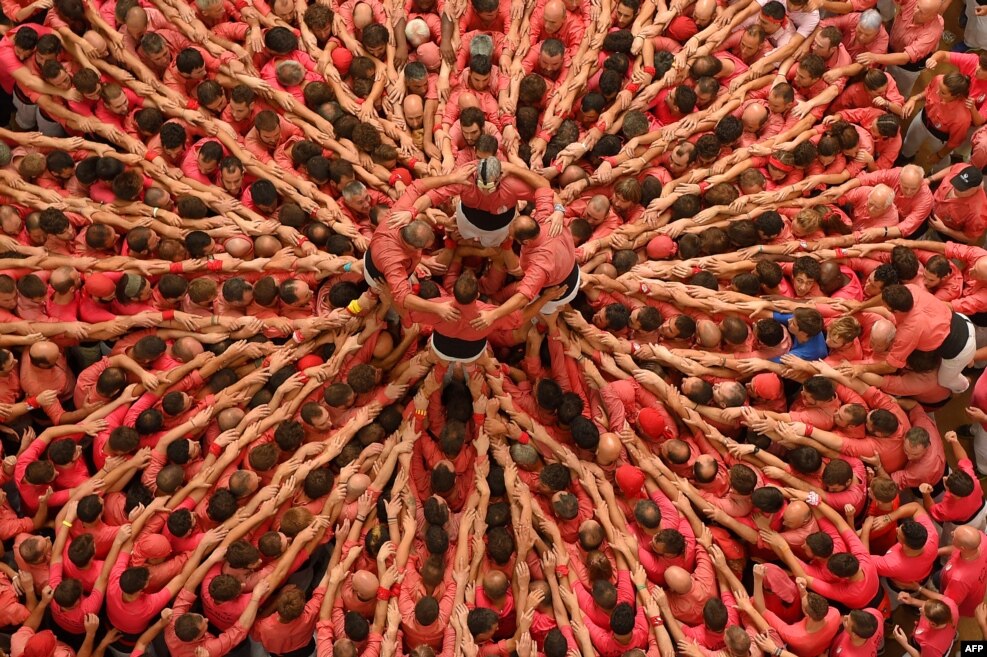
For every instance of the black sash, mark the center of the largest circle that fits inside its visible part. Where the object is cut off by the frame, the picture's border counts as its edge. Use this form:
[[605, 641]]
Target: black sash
[[458, 348], [936, 132], [488, 221], [959, 335], [372, 270]]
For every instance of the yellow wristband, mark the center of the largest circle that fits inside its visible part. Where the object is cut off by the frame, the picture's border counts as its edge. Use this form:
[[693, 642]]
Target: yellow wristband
[[67, 523], [354, 307]]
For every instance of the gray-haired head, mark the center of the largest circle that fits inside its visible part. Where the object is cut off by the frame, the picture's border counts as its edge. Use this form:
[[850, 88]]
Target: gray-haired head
[[870, 20], [488, 172], [482, 44]]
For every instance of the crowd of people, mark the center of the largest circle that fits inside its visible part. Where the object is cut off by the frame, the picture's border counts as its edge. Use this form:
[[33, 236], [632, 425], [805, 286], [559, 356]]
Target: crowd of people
[[491, 327]]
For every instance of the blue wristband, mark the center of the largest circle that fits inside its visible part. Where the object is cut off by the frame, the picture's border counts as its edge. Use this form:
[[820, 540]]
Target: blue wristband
[[348, 266]]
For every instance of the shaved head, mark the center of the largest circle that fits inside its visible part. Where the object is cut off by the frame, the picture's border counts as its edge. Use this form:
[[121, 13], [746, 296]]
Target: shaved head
[[678, 580], [796, 514], [356, 486], [967, 538], [365, 584], [608, 450], [708, 334]]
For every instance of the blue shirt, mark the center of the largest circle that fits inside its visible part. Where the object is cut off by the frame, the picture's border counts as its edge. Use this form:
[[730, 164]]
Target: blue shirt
[[813, 349]]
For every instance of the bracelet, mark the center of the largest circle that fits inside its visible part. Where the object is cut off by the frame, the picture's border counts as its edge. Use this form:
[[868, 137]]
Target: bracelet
[[298, 337], [813, 499], [756, 450], [215, 450], [421, 412], [656, 621], [214, 320], [633, 87], [66, 523], [885, 231], [176, 268], [562, 569], [347, 267], [809, 429], [640, 587], [361, 518], [383, 594], [411, 163], [560, 208], [777, 652], [167, 315], [301, 240], [32, 403], [478, 418], [760, 248], [214, 265], [354, 307], [154, 213], [650, 70], [524, 438]]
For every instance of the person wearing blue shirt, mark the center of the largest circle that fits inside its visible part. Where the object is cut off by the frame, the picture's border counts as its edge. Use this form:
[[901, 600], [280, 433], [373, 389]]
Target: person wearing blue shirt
[[808, 339]]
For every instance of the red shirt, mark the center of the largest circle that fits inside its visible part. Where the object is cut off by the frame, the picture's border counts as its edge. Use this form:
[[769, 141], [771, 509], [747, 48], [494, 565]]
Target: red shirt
[[952, 118], [966, 214], [802, 642], [214, 646], [546, 261], [843, 644], [935, 642], [133, 616], [965, 581], [917, 41], [898, 566], [924, 327], [960, 509]]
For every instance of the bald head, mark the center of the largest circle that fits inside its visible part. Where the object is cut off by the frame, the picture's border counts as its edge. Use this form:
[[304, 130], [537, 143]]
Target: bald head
[[468, 100], [703, 11], [187, 348], [363, 15], [754, 117], [882, 197], [356, 486], [44, 352], [882, 335], [365, 584], [830, 277], [967, 538], [554, 9], [265, 246], [136, 20], [62, 279], [598, 204], [229, 418], [608, 449], [495, 583], [796, 514], [678, 580], [413, 105], [590, 534], [708, 333]]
